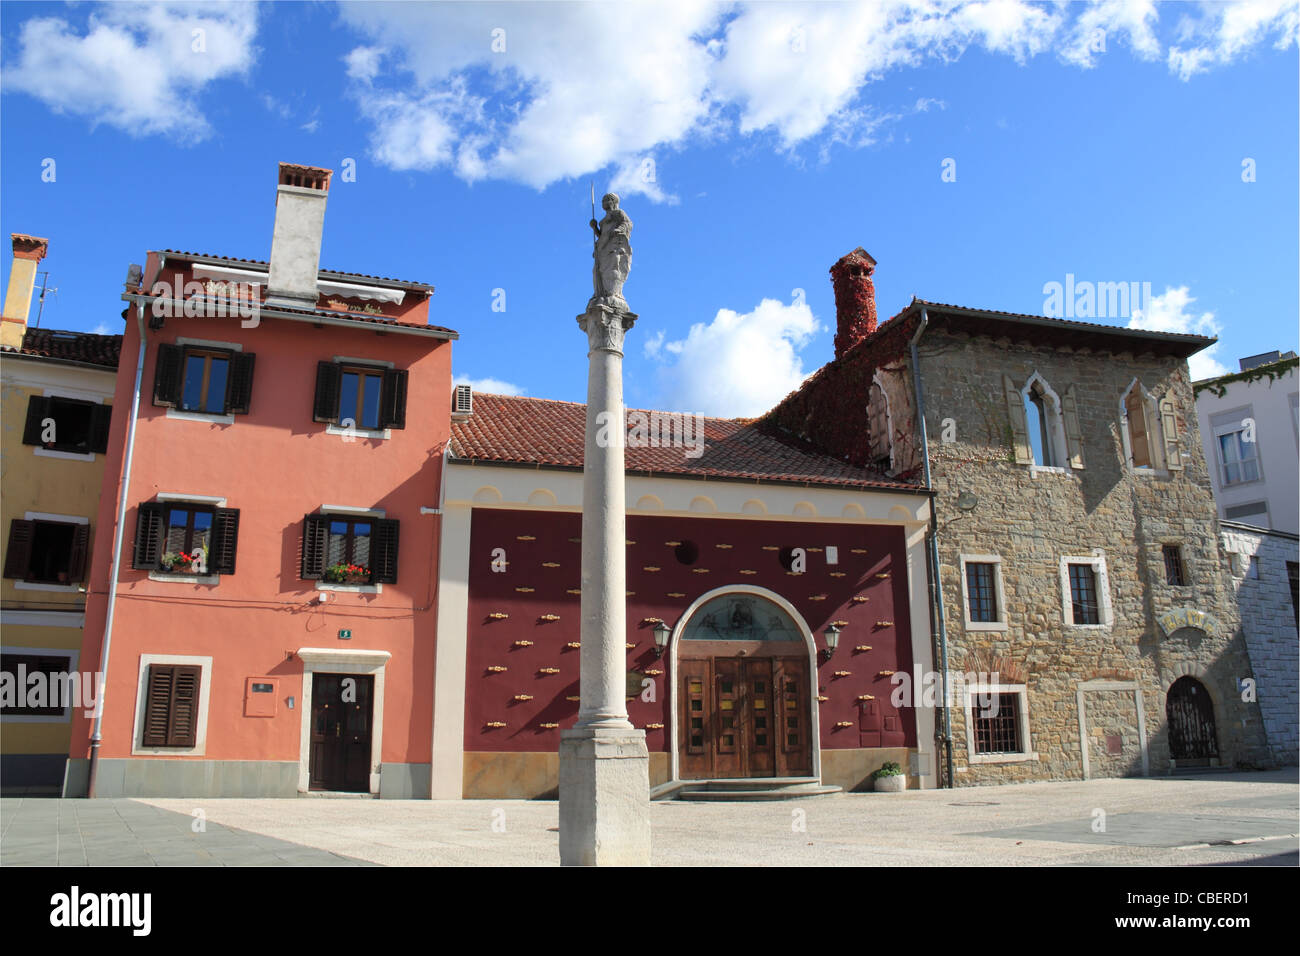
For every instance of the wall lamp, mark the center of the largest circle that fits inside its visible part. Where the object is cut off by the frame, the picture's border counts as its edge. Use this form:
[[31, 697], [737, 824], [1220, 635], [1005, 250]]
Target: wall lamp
[[832, 634], [662, 633]]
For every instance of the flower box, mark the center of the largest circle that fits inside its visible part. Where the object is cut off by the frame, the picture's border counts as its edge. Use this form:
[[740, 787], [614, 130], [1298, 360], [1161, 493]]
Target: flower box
[[346, 574]]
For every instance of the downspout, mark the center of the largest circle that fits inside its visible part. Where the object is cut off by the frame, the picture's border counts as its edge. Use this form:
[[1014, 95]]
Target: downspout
[[96, 736], [936, 588]]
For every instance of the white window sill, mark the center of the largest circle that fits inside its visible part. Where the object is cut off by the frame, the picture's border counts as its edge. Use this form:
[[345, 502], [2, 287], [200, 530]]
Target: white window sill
[[138, 751], [1089, 627], [378, 433], [1001, 758], [1035, 470], [65, 455], [37, 586], [986, 625], [210, 418], [163, 576], [1149, 472], [354, 588]]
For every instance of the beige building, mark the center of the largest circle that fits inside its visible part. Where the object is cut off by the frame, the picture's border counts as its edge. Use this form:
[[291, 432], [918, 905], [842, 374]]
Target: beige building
[[1088, 619], [56, 388]]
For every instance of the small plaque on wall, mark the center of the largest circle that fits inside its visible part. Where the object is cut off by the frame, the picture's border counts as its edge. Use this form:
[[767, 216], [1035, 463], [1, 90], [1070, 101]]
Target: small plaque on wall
[[261, 696]]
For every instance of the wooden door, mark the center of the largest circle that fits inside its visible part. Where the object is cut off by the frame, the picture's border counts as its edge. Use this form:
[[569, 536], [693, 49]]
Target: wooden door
[[695, 720], [1193, 740], [794, 718], [728, 699], [341, 715], [757, 723]]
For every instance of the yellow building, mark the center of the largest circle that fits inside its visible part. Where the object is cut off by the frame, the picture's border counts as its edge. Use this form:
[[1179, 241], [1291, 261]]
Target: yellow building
[[56, 390]]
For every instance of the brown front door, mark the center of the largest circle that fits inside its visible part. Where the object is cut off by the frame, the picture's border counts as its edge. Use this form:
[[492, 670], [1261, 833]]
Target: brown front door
[[340, 732], [743, 717]]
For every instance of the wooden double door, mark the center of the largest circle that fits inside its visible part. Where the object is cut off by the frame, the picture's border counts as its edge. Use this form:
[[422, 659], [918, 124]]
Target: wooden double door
[[744, 717], [341, 727]]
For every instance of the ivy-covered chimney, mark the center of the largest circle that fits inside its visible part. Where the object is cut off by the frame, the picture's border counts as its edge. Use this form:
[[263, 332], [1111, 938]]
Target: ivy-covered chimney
[[855, 299]]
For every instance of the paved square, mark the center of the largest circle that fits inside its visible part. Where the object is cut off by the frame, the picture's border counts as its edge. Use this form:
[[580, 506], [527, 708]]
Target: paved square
[[1147, 822]]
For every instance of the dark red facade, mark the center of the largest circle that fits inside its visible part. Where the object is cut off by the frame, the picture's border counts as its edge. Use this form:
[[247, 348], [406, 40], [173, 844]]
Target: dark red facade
[[543, 574]]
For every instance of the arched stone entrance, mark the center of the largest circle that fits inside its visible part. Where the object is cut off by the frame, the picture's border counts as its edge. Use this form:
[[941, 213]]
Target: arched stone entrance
[[1189, 713], [744, 700]]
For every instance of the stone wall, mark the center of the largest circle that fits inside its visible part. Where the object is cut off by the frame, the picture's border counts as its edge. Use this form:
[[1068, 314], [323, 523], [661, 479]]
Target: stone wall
[[1031, 518], [1268, 620]]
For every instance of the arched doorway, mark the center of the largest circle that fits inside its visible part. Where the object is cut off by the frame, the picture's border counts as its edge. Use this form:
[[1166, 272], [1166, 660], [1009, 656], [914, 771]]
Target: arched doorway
[[744, 703], [1189, 712]]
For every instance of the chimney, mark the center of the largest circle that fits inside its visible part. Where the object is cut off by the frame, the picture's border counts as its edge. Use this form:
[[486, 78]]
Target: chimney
[[855, 299], [28, 252], [295, 245]]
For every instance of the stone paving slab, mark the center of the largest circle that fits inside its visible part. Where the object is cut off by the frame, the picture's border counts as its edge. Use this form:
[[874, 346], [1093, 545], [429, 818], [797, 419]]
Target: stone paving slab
[[52, 832], [1153, 829]]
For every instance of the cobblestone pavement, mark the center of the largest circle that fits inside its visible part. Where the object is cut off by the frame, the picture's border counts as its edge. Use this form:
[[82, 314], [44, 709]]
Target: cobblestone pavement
[[1219, 819]]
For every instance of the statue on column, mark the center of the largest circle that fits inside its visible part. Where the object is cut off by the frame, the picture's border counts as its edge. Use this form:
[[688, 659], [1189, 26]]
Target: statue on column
[[612, 254]]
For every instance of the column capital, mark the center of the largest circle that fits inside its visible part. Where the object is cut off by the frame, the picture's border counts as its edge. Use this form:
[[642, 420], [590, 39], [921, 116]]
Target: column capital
[[605, 326]]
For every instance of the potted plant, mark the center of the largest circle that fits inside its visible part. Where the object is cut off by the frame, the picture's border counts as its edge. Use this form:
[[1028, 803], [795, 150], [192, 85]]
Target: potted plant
[[347, 574], [178, 562], [889, 779]]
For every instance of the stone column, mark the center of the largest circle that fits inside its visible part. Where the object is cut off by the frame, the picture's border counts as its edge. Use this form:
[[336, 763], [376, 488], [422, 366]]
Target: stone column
[[604, 764]]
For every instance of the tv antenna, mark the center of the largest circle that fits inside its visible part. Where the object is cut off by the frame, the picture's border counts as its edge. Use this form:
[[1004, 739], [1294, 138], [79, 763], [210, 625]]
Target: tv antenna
[[45, 289]]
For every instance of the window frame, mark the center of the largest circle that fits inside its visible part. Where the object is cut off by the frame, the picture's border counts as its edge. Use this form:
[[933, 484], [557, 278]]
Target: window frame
[[199, 748], [1232, 429], [99, 418], [193, 509], [327, 399], [971, 691], [1149, 405], [999, 594], [385, 552], [223, 541], [169, 381], [1178, 568], [78, 552], [1101, 580]]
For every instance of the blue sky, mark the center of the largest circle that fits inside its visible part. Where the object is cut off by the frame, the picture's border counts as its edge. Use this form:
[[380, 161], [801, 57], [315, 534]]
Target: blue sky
[[753, 145]]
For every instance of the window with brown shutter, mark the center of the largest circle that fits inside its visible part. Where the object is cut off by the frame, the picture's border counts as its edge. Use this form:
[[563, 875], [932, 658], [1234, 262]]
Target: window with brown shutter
[[183, 538], [67, 424], [171, 705], [349, 549], [207, 381], [47, 552], [360, 396]]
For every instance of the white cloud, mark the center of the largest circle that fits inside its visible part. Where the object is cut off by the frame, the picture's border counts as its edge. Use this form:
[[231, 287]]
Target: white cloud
[[1225, 31], [1098, 27], [136, 66], [1171, 312], [737, 365], [491, 386]]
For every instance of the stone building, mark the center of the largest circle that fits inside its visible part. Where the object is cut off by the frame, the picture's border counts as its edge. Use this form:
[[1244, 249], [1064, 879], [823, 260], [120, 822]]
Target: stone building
[[1266, 572], [1088, 617]]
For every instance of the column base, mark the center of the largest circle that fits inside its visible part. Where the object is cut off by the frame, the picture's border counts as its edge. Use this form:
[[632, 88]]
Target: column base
[[604, 797]]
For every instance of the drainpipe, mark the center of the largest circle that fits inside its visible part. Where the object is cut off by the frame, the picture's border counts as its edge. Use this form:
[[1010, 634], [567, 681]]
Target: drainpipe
[[96, 735], [936, 588]]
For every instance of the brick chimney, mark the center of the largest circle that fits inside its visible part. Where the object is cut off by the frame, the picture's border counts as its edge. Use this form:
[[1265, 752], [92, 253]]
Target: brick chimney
[[28, 252], [295, 244], [855, 299]]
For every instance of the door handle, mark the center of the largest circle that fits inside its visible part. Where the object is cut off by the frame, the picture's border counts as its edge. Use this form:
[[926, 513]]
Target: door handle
[[338, 729]]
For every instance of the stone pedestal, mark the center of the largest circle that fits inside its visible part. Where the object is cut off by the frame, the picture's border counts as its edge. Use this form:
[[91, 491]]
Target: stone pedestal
[[604, 764], [604, 797]]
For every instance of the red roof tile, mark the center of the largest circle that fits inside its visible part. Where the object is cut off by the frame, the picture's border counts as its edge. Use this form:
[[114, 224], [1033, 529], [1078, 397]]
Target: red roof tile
[[84, 348], [423, 286], [537, 431]]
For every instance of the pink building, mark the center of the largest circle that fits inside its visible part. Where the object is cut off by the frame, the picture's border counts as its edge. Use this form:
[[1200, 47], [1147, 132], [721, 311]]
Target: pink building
[[272, 481]]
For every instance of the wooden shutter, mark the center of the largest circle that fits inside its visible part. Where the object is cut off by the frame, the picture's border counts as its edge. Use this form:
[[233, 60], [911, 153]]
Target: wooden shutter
[[225, 539], [18, 555], [239, 391], [1019, 423], [315, 540], [1073, 436], [167, 375], [1139, 441], [101, 418], [77, 556], [38, 409], [150, 526], [1169, 425], [157, 705], [329, 379], [383, 551], [171, 713], [392, 406]]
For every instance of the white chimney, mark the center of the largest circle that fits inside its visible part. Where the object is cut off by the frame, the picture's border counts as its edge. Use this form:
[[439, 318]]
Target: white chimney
[[295, 246]]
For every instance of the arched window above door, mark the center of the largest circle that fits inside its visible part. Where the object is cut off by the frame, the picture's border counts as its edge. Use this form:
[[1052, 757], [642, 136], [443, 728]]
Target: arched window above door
[[741, 617]]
